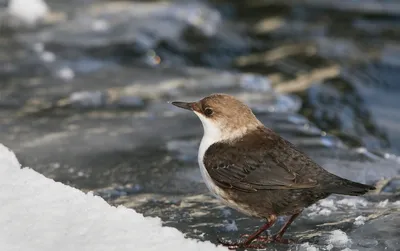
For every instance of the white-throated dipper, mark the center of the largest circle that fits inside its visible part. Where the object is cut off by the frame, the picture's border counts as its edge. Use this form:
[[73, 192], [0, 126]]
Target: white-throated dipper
[[255, 171]]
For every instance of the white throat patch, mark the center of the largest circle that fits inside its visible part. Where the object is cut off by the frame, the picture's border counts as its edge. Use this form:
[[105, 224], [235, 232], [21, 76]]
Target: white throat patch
[[212, 134]]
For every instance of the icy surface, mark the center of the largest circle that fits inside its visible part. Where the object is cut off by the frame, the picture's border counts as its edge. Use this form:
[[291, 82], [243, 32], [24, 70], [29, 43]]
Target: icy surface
[[28, 11], [339, 238], [38, 213]]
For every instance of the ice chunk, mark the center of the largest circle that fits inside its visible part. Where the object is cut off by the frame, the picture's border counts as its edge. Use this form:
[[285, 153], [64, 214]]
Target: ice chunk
[[28, 11], [66, 73], [323, 207], [339, 238], [360, 220], [308, 247], [383, 204], [328, 203], [38, 213], [353, 202]]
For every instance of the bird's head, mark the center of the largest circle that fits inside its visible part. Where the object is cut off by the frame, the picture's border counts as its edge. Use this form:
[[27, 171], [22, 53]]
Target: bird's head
[[223, 116]]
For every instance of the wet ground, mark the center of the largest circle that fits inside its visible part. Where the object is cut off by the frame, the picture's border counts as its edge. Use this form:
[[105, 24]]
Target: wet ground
[[83, 100]]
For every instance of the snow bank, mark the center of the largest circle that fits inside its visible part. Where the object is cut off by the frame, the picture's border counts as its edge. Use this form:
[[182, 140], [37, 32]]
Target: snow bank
[[37, 213]]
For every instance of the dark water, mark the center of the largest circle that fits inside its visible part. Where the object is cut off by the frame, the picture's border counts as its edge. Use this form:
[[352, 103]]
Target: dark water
[[83, 100]]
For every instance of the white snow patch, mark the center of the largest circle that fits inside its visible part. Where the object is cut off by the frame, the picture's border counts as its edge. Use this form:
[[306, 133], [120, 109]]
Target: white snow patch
[[360, 220], [383, 204], [338, 238], [353, 202], [397, 203], [28, 11], [308, 247], [38, 213]]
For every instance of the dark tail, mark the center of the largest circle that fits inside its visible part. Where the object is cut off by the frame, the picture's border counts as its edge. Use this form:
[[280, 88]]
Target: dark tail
[[348, 187]]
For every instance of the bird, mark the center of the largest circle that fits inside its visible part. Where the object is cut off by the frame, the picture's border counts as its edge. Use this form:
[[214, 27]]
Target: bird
[[255, 171]]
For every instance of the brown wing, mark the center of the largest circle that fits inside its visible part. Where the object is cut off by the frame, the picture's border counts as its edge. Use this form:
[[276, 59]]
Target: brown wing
[[257, 164]]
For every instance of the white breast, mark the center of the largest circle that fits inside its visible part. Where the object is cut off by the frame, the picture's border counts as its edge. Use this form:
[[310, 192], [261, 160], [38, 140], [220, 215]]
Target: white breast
[[211, 135]]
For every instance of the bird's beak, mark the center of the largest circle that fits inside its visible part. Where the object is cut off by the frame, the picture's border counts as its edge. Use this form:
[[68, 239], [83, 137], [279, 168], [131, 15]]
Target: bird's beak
[[183, 105]]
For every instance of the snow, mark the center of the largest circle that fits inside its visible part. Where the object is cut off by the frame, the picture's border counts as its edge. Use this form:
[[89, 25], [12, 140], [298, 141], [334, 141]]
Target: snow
[[38, 213], [339, 238], [28, 11]]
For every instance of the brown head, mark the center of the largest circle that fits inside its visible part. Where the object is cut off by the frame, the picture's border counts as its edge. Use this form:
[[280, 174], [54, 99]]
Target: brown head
[[223, 116]]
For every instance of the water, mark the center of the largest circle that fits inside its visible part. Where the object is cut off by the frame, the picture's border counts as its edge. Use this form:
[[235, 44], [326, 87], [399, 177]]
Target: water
[[85, 102]]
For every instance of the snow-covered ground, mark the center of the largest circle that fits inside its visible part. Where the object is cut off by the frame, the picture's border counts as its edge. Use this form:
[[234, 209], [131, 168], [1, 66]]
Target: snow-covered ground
[[37, 213]]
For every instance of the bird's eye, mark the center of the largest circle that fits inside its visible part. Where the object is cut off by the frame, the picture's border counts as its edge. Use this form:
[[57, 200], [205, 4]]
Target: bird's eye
[[208, 111]]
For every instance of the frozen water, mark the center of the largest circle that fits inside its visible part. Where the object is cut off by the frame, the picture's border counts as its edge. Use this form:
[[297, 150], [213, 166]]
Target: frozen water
[[360, 220], [353, 202], [308, 247], [383, 204], [230, 226], [28, 11], [339, 238], [38, 213], [66, 73]]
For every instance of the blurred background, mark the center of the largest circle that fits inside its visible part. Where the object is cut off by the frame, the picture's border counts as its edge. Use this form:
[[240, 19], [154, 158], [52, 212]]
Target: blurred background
[[84, 86]]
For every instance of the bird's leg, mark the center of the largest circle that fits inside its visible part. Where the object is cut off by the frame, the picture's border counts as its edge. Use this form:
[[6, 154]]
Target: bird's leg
[[247, 243], [278, 236]]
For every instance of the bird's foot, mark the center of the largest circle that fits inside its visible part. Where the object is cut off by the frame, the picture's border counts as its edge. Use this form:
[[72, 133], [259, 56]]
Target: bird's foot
[[279, 239], [232, 245]]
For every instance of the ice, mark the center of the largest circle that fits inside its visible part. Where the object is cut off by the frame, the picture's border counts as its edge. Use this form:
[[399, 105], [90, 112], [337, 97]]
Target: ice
[[353, 202], [38, 213], [28, 11], [383, 204], [48, 56], [308, 247], [339, 238], [325, 212], [66, 73], [360, 220], [230, 226], [323, 207], [328, 203]]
